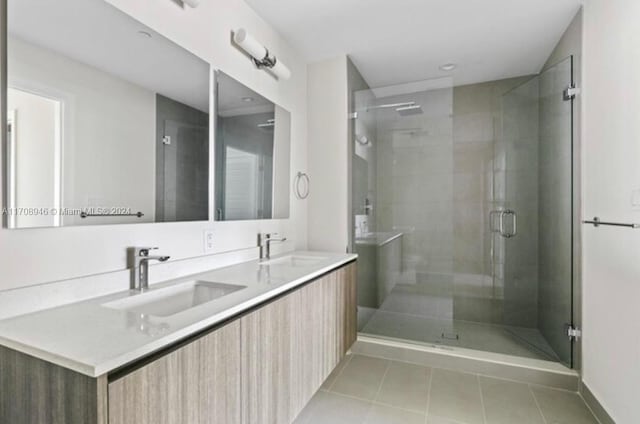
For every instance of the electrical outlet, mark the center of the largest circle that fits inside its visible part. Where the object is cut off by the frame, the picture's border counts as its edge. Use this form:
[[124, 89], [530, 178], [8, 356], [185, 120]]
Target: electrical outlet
[[208, 241]]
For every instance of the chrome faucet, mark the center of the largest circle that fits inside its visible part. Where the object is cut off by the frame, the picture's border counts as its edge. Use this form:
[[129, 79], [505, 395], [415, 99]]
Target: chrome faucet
[[139, 263], [264, 243]]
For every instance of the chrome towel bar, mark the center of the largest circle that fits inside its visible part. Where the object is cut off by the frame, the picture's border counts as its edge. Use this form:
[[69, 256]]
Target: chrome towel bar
[[596, 222], [89, 215]]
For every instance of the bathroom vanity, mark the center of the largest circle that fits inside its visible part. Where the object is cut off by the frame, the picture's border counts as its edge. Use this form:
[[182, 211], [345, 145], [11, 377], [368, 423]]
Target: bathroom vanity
[[249, 343]]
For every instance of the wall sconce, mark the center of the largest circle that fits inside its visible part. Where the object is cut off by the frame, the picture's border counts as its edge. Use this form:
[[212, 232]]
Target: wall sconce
[[191, 3], [260, 55]]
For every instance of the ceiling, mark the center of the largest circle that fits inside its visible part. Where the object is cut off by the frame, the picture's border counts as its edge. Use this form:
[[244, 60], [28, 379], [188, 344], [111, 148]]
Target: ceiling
[[97, 34], [398, 41], [234, 98]]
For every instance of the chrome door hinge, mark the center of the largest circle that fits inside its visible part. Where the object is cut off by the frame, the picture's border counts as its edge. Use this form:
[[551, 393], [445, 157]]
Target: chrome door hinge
[[573, 333], [166, 140], [353, 115], [570, 92]]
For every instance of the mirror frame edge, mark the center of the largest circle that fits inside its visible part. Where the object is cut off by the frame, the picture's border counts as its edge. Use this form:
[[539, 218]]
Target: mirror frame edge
[[3, 111]]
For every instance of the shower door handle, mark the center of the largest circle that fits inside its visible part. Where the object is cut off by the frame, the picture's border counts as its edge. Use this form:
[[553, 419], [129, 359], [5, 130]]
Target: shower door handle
[[492, 220], [501, 224], [514, 226]]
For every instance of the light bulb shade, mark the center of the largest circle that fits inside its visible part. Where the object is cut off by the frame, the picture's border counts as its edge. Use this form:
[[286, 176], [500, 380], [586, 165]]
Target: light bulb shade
[[249, 44], [281, 71], [191, 3], [261, 56]]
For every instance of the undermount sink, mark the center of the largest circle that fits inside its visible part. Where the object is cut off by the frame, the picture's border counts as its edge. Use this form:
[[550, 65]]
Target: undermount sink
[[171, 300], [295, 261]]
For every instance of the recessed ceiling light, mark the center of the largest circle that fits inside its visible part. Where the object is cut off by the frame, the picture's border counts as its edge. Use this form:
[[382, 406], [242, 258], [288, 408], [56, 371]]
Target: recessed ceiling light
[[448, 67], [248, 99], [144, 34]]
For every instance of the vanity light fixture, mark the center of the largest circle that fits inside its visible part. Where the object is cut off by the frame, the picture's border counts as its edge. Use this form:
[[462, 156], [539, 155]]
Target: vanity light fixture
[[260, 54]]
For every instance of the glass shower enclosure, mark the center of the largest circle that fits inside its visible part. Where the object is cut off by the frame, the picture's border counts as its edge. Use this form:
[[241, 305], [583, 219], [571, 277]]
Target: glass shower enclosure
[[462, 213]]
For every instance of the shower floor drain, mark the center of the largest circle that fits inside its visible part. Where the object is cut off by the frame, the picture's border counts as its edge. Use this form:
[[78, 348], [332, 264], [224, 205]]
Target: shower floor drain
[[451, 336]]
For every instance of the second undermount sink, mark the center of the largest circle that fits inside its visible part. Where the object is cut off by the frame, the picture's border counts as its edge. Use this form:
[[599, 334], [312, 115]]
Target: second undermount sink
[[295, 261], [171, 300]]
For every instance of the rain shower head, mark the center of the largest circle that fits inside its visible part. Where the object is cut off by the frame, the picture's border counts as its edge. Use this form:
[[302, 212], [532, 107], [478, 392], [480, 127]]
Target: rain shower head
[[409, 110]]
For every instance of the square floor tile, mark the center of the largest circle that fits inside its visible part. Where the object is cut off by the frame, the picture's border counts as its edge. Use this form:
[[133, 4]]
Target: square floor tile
[[405, 386], [361, 377], [560, 407], [381, 414], [326, 407], [335, 373], [440, 420], [507, 402], [456, 396]]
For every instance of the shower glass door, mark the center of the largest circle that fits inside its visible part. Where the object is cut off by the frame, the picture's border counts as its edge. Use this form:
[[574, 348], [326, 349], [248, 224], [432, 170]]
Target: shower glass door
[[532, 223], [462, 213]]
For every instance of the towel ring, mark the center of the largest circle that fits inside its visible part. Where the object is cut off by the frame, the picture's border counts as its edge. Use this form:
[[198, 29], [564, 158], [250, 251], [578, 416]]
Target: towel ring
[[301, 194]]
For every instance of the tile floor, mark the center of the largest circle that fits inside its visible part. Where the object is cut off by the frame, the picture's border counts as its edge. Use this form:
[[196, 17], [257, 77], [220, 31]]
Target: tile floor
[[366, 390]]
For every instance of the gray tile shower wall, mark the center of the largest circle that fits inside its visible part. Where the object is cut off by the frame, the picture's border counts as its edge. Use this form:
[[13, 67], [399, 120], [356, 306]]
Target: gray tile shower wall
[[415, 181], [182, 167], [437, 175]]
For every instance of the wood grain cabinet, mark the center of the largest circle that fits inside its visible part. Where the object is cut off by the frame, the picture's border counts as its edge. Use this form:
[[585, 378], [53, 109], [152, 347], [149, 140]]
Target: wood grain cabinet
[[261, 368], [290, 346], [197, 383]]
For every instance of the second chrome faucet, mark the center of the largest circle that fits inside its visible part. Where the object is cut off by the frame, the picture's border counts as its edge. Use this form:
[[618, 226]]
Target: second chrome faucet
[[264, 243]]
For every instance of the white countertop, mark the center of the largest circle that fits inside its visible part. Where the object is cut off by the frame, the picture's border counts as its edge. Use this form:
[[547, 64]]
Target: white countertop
[[94, 339]]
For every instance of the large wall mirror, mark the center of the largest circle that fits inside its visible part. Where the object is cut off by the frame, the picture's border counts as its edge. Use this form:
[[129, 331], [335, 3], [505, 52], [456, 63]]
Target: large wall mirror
[[252, 151], [107, 120]]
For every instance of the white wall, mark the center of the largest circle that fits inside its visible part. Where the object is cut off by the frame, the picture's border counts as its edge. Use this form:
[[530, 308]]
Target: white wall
[[103, 141], [34, 256], [611, 159], [329, 159]]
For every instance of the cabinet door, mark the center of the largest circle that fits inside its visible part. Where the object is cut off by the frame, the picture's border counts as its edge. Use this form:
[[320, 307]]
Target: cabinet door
[[34, 391], [311, 339], [267, 363], [290, 346], [196, 384]]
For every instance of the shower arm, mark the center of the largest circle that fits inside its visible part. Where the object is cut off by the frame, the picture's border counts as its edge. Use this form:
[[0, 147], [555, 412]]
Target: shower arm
[[390, 106]]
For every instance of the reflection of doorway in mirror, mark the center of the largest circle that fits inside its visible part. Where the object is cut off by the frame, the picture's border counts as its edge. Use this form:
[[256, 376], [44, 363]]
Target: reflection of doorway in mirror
[[34, 159]]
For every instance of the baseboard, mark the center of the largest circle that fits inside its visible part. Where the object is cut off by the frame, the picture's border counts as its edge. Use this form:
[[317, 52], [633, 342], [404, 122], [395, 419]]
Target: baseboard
[[524, 370], [594, 404]]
